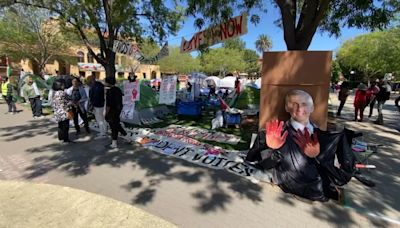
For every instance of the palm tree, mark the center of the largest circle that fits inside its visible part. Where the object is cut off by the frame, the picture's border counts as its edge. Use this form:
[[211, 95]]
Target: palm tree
[[263, 43]]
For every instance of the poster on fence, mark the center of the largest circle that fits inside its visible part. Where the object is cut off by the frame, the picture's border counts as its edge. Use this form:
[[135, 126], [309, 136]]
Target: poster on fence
[[131, 92], [168, 90]]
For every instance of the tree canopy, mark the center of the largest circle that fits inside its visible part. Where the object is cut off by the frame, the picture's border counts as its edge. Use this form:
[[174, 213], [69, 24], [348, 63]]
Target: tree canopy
[[222, 60], [263, 43], [372, 55], [28, 32], [300, 19], [111, 20], [178, 62]]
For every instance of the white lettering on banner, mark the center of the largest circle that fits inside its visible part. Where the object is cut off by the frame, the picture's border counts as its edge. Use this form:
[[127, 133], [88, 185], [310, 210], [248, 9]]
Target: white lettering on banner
[[234, 27], [198, 156], [198, 153], [168, 90]]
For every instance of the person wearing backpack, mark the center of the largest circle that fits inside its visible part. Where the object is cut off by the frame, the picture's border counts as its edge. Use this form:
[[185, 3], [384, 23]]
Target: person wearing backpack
[[382, 96]]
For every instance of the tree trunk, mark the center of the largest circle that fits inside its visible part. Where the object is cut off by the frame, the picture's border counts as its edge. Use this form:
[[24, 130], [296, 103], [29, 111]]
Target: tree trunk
[[109, 65]]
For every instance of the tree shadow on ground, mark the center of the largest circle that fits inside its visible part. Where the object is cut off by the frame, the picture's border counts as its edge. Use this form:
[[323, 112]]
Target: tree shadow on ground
[[77, 160], [383, 198], [30, 130]]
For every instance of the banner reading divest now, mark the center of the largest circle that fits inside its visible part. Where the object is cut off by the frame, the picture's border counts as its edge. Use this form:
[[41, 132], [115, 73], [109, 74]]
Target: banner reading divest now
[[234, 27]]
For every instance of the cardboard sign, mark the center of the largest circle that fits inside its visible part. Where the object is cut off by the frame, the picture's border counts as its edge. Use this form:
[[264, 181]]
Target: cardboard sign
[[168, 90], [232, 28], [304, 70]]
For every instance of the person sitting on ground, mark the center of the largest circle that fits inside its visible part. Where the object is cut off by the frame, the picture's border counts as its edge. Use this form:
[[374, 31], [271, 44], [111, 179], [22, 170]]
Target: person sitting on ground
[[8, 93], [360, 102], [299, 157], [79, 98], [31, 92]]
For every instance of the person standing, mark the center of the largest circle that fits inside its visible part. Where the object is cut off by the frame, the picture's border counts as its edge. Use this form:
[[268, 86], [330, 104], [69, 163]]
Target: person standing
[[61, 107], [96, 101], [8, 92], [382, 96], [360, 102], [31, 92], [343, 94], [79, 98], [113, 111], [372, 91]]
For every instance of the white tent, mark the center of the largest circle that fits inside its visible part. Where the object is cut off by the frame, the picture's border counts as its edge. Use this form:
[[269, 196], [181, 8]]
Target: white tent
[[227, 82], [258, 83], [213, 80]]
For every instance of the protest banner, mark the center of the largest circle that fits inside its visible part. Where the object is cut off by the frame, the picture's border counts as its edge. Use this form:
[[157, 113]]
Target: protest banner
[[168, 90], [232, 28], [133, 51]]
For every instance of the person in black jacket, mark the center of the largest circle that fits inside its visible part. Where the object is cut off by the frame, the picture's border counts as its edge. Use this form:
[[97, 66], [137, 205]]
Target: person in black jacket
[[96, 103], [299, 157], [382, 96], [113, 111]]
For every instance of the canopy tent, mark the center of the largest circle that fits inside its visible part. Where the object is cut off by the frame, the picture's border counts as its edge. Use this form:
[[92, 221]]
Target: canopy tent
[[213, 80], [197, 77], [258, 83], [227, 82]]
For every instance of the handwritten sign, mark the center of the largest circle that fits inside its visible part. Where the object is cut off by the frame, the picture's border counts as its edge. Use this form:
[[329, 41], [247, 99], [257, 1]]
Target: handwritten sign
[[168, 90], [132, 50], [131, 92], [234, 27]]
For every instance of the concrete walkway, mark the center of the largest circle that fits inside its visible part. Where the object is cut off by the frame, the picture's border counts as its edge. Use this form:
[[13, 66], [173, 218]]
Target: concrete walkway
[[183, 193], [25, 204]]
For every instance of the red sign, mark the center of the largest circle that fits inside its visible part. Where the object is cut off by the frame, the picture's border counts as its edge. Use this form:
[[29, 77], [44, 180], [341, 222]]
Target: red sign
[[234, 27]]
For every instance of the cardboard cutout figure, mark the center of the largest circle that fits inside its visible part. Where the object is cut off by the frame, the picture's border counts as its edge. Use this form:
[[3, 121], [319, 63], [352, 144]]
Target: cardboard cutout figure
[[299, 157]]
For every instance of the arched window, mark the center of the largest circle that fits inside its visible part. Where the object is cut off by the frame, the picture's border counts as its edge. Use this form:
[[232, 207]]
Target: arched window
[[153, 75], [89, 58], [81, 57]]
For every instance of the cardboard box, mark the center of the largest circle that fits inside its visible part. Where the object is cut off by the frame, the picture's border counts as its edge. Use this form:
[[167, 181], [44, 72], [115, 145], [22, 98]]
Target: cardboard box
[[284, 71]]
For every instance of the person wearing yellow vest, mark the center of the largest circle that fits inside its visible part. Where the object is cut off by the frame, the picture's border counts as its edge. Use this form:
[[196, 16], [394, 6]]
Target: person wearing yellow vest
[[8, 95]]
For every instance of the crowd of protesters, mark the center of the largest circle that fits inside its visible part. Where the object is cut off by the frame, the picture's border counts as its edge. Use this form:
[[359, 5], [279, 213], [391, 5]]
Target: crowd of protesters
[[71, 102]]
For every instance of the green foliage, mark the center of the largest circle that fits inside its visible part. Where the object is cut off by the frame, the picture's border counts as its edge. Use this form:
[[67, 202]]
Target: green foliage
[[177, 62], [251, 59], [301, 19], [110, 20], [234, 43], [28, 32], [222, 60], [336, 71], [263, 43], [372, 55]]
